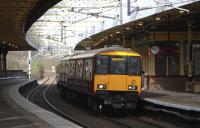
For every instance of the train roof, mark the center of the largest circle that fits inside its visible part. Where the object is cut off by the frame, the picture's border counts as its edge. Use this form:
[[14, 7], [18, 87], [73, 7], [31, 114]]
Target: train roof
[[92, 53]]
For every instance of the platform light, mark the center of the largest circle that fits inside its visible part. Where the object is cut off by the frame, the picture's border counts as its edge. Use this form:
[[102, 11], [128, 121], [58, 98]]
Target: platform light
[[157, 18], [127, 28], [118, 32], [181, 11], [140, 23]]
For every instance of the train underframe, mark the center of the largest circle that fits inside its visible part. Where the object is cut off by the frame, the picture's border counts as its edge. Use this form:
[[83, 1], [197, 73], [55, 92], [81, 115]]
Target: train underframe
[[102, 98], [118, 99]]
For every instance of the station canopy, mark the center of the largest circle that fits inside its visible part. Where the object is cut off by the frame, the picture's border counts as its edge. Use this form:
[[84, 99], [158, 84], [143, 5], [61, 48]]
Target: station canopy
[[171, 20], [16, 18], [80, 23]]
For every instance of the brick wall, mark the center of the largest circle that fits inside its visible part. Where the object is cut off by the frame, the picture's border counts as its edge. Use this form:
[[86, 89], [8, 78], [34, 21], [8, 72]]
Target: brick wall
[[169, 83]]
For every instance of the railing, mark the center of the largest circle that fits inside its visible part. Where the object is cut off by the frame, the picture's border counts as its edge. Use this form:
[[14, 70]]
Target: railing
[[192, 86]]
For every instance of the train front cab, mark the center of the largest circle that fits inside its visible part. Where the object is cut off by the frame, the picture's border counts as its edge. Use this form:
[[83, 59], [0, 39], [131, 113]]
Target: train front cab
[[117, 78]]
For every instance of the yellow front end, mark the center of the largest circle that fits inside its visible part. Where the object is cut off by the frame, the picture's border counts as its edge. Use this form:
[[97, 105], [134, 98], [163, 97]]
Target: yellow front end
[[117, 83], [117, 78]]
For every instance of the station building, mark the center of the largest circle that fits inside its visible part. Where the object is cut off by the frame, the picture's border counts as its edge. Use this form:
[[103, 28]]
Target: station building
[[169, 43]]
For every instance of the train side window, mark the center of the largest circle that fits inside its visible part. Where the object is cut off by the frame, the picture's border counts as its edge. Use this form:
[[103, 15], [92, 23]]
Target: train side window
[[79, 69], [67, 69], [88, 69], [72, 69], [63, 67]]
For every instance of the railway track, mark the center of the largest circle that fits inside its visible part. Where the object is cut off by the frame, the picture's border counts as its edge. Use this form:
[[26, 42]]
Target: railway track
[[35, 89], [48, 105], [60, 112], [41, 93], [134, 123]]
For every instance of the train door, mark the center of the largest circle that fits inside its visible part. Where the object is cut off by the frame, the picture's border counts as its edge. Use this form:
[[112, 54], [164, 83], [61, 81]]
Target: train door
[[117, 73], [101, 81]]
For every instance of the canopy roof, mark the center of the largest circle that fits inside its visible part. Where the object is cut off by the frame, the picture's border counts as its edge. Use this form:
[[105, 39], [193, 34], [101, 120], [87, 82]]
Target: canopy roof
[[16, 18]]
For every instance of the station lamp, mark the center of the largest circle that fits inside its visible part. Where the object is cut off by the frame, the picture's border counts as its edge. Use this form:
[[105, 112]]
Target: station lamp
[[140, 23], [182, 10], [157, 18]]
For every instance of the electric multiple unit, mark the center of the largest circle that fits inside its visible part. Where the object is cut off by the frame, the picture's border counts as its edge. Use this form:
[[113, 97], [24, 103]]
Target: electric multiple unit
[[103, 77]]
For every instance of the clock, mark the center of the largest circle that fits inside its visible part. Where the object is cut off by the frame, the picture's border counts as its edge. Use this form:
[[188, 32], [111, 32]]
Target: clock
[[155, 49]]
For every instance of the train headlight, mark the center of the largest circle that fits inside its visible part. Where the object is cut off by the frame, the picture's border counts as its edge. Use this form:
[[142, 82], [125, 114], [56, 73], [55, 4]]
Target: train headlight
[[132, 87], [101, 86], [129, 87]]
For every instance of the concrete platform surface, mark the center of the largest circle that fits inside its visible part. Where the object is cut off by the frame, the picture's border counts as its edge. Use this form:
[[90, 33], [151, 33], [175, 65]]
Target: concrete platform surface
[[17, 112], [184, 101]]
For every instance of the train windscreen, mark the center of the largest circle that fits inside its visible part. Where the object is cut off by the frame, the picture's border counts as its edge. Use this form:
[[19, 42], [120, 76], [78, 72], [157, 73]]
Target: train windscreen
[[117, 65], [134, 65], [123, 65], [102, 64]]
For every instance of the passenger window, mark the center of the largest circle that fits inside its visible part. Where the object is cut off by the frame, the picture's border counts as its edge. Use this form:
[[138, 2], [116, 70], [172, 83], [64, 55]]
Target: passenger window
[[66, 68], [79, 69], [72, 69], [88, 69]]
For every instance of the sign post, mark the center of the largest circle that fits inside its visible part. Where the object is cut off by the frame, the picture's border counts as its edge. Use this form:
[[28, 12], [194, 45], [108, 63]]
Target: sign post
[[29, 64]]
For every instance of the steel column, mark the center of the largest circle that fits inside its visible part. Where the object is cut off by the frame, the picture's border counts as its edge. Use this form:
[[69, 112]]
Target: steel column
[[189, 50], [4, 63], [1, 71]]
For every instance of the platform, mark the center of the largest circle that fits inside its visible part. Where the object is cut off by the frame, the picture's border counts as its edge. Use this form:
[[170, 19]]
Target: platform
[[179, 100], [17, 112]]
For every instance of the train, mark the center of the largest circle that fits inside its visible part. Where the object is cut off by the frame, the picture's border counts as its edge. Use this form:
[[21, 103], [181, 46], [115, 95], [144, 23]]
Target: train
[[102, 77]]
